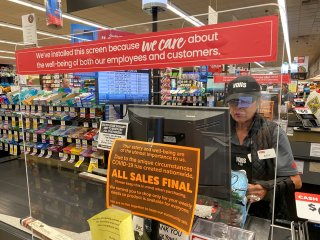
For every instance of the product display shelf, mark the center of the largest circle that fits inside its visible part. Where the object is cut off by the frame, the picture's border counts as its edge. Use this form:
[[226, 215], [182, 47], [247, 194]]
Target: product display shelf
[[77, 146]]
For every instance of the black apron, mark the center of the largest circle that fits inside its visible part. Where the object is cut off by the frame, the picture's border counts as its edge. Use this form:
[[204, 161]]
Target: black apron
[[240, 160]]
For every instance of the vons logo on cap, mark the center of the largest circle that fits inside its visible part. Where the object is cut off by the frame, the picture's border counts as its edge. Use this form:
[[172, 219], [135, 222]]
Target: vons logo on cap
[[239, 85]]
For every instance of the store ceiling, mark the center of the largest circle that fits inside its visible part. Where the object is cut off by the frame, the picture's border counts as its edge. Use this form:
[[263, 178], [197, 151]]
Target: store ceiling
[[303, 20]]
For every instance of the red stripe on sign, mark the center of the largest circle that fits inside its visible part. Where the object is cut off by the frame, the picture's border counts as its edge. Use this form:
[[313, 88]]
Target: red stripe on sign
[[251, 40], [307, 197]]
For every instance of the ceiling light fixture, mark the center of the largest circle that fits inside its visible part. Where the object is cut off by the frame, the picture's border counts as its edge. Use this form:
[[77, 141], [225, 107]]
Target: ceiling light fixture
[[2, 51], [7, 57], [12, 43], [64, 15], [184, 15], [12, 26], [284, 24], [260, 65]]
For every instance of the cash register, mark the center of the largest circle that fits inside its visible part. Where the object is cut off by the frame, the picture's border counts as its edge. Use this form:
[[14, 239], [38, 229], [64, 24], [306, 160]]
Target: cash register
[[307, 118]]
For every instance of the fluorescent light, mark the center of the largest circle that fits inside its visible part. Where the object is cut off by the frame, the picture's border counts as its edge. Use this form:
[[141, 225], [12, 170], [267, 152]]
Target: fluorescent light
[[29, 4], [12, 26], [1, 51], [12, 43], [7, 57], [184, 15], [64, 15], [284, 23], [260, 65]]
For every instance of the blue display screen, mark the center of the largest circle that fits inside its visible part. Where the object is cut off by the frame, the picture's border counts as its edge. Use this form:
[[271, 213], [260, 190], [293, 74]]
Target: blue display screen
[[123, 87]]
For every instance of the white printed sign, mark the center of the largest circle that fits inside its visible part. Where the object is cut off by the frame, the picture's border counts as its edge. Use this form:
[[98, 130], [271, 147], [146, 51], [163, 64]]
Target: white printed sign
[[166, 232], [29, 29], [308, 206], [315, 149], [109, 131]]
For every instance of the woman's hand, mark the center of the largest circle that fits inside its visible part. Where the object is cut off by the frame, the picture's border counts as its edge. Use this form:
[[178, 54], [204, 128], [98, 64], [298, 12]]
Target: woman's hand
[[256, 192]]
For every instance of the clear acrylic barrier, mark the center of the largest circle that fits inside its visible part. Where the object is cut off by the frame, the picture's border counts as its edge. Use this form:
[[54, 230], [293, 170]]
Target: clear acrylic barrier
[[54, 191]]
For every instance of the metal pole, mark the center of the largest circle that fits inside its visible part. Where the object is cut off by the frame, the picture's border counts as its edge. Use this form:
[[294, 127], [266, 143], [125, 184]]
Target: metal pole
[[156, 74]]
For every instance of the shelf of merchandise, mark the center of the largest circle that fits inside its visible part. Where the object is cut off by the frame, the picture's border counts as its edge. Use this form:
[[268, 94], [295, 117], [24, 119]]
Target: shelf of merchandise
[[24, 122]]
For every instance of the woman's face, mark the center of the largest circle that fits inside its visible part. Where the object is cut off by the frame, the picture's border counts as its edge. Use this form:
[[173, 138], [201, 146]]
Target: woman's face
[[243, 110]]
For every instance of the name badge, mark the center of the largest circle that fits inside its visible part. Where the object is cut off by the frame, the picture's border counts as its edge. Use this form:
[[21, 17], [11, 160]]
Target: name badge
[[266, 153]]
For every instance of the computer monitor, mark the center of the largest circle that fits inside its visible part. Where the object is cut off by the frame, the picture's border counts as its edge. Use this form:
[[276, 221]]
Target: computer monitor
[[123, 87], [200, 127]]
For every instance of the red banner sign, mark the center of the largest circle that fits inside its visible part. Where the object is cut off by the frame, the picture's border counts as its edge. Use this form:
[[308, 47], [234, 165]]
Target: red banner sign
[[235, 42], [261, 78]]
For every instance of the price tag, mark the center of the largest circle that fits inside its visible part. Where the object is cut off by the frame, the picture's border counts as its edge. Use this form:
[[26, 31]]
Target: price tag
[[11, 149], [42, 152], [17, 108], [49, 121], [20, 122], [82, 112], [93, 164], [35, 124], [10, 136], [4, 106], [51, 110], [41, 120], [69, 140], [78, 143], [66, 109], [43, 137], [72, 109], [85, 144], [308, 206], [35, 137], [72, 159], [49, 154], [6, 120], [28, 137], [63, 125], [27, 109], [60, 141], [23, 109], [15, 150], [21, 149], [86, 124], [94, 146], [16, 136], [65, 157], [92, 112], [13, 122], [33, 109], [58, 109], [9, 106], [39, 108], [27, 123], [80, 161], [20, 135], [95, 125], [61, 154], [34, 152], [6, 147], [51, 139], [28, 150]]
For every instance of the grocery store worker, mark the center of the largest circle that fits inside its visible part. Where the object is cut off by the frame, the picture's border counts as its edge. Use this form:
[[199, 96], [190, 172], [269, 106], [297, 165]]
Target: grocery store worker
[[65, 84], [250, 133]]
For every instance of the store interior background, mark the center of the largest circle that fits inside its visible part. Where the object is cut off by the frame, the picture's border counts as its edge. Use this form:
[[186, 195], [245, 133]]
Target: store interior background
[[304, 36]]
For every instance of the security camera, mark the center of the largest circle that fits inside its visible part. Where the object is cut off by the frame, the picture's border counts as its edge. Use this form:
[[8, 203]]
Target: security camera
[[147, 5]]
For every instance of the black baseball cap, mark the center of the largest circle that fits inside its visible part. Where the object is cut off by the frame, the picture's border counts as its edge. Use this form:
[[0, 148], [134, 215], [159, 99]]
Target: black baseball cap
[[243, 86]]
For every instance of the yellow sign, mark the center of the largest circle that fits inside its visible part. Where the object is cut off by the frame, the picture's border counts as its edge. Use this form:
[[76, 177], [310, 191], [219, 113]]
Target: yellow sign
[[111, 224], [153, 180]]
